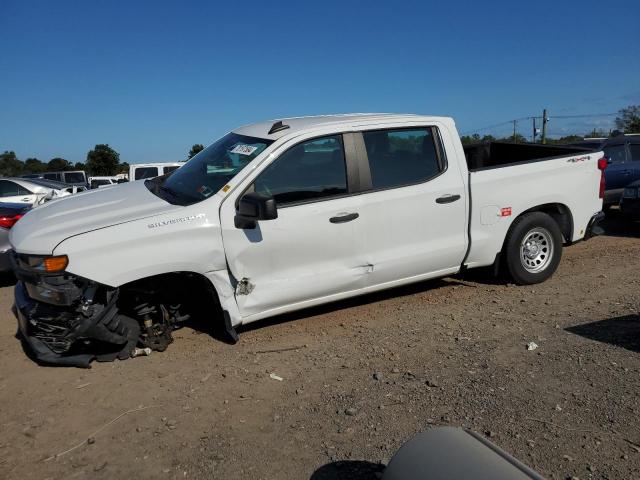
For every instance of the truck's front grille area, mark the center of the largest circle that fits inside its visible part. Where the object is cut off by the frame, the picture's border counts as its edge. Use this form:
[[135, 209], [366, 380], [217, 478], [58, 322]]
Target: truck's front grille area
[[52, 327]]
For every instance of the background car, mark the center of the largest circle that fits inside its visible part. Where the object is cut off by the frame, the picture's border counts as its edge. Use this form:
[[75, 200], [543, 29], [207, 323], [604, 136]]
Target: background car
[[623, 156], [10, 213], [630, 203], [34, 191]]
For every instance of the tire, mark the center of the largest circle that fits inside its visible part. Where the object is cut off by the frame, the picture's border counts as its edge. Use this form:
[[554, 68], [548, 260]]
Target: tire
[[537, 261]]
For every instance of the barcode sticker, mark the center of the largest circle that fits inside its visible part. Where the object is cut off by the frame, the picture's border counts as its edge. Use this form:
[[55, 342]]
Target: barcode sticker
[[244, 149]]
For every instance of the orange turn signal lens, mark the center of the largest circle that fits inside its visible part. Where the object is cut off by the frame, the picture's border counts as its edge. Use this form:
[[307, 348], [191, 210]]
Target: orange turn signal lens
[[56, 264]]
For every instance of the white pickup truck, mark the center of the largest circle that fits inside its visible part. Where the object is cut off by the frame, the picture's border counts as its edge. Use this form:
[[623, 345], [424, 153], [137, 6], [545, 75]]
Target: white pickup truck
[[275, 217]]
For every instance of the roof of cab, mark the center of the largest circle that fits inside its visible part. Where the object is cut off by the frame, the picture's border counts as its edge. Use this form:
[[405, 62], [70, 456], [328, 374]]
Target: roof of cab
[[297, 124]]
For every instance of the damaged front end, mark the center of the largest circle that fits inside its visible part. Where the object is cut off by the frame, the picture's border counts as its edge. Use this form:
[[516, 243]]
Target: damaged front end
[[67, 320]]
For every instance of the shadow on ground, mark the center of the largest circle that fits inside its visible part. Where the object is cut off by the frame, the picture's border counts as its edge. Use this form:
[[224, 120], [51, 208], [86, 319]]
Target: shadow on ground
[[369, 298], [7, 279], [620, 331], [349, 470]]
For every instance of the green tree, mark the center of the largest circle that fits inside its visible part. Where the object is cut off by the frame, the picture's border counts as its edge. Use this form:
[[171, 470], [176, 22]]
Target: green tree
[[58, 165], [124, 167], [628, 119], [103, 160], [79, 166], [10, 166], [33, 165], [195, 149]]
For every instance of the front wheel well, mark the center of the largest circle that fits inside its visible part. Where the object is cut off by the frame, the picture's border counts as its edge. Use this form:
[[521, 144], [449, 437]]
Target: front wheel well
[[193, 290]]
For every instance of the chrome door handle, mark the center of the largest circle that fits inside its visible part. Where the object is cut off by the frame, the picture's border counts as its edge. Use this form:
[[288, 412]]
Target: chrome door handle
[[344, 217], [447, 198], [26, 199]]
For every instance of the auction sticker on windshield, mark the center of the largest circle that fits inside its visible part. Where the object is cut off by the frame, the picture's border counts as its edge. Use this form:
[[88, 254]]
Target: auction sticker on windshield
[[244, 149]]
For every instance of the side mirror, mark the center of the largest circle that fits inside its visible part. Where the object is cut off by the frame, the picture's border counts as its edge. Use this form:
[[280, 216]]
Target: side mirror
[[253, 207]]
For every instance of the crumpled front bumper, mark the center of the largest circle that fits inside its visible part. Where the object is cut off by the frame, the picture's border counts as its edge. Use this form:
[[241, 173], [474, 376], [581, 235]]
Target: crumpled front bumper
[[65, 336]]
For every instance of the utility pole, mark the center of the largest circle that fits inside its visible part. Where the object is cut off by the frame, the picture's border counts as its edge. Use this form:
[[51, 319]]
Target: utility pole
[[545, 119], [514, 131], [533, 139]]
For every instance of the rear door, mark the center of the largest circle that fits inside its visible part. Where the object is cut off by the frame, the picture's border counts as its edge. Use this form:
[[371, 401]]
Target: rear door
[[414, 216], [618, 173], [634, 155], [11, 192]]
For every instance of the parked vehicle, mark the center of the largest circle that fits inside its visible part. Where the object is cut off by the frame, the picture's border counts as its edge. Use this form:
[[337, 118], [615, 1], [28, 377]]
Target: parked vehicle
[[623, 158], [630, 203], [77, 177], [97, 182], [142, 171], [10, 213], [276, 217], [33, 191]]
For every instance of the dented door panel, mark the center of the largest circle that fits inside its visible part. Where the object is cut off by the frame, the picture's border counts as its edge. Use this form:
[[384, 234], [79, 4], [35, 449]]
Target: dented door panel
[[299, 256]]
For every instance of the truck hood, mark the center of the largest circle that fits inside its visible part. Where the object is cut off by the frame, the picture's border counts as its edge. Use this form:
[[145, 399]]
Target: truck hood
[[44, 227]]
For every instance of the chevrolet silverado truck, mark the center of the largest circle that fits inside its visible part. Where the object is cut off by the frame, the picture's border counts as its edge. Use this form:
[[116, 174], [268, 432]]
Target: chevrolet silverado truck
[[280, 216]]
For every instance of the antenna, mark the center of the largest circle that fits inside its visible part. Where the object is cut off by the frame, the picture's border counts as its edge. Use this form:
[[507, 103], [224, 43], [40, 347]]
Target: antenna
[[277, 127]]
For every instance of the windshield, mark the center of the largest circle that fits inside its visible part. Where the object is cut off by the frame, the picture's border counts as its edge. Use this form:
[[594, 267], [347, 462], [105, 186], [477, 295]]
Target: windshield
[[209, 170]]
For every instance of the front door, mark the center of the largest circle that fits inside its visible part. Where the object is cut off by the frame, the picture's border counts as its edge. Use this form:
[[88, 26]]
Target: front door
[[309, 251]]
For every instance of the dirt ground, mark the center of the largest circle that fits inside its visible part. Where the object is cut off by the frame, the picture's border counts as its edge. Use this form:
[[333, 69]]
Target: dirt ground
[[359, 378]]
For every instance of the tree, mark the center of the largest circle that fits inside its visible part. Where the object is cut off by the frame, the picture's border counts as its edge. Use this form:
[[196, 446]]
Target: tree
[[58, 165], [103, 160], [196, 148], [10, 166], [124, 168], [33, 165], [79, 166], [628, 119]]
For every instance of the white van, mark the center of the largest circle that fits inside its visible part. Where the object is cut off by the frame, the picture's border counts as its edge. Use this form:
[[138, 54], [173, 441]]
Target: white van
[[140, 171]]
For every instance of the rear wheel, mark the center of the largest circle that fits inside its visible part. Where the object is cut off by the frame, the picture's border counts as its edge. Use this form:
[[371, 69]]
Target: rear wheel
[[533, 248]]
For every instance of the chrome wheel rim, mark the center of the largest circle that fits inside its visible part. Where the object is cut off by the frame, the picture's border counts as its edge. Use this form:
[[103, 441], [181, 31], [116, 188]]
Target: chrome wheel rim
[[536, 250]]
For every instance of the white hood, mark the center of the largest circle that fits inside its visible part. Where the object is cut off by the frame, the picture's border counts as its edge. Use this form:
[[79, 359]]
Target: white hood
[[44, 227]]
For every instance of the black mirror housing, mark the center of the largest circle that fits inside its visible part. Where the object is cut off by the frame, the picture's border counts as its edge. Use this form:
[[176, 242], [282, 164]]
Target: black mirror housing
[[253, 207]]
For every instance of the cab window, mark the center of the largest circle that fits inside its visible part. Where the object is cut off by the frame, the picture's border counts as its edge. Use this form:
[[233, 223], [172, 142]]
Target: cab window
[[310, 171], [616, 153], [146, 172], [401, 157]]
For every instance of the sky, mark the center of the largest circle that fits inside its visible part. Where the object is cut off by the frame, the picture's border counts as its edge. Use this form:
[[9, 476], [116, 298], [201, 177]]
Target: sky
[[151, 78]]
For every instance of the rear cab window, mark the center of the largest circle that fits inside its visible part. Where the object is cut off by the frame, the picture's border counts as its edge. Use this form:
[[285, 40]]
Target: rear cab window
[[146, 172], [403, 156], [616, 153]]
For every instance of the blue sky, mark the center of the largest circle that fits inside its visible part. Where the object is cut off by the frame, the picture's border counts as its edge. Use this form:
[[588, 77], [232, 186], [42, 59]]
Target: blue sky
[[151, 78]]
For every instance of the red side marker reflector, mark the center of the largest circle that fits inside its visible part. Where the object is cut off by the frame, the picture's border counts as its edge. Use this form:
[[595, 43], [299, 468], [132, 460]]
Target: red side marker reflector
[[505, 212]]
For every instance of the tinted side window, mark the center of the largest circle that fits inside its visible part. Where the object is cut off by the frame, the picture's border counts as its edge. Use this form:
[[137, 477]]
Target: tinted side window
[[146, 172], [401, 157], [9, 189], [53, 176], [634, 149], [310, 170], [615, 153], [170, 169]]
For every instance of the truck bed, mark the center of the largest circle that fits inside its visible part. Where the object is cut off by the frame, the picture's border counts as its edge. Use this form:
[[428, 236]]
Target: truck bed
[[501, 154]]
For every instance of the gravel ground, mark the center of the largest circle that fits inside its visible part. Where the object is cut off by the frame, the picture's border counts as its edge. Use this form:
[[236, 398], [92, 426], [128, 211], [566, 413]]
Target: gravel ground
[[358, 378]]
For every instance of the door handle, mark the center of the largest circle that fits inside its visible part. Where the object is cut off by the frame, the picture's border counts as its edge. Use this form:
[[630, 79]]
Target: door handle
[[26, 199], [447, 198], [344, 217]]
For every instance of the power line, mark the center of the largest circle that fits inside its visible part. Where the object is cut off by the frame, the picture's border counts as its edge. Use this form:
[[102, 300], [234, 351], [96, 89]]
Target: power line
[[508, 122]]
